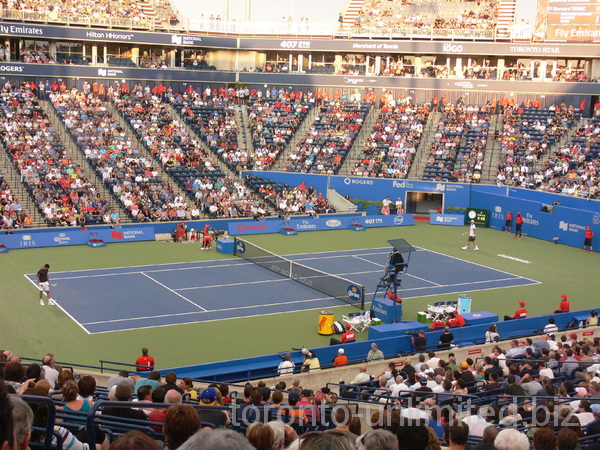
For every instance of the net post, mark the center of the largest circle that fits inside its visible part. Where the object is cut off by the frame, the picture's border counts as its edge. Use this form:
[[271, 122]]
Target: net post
[[235, 246], [362, 298]]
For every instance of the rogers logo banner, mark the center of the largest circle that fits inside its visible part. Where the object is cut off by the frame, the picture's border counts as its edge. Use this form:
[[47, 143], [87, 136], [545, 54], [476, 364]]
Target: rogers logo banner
[[116, 234]]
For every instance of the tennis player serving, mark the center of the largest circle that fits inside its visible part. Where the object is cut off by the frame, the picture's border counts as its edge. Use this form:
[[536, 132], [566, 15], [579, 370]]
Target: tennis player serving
[[44, 285], [472, 233]]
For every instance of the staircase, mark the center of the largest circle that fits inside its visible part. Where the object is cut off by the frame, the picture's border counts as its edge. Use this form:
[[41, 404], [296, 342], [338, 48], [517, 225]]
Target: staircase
[[12, 177], [506, 18], [351, 12], [298, 136], [359, 143], [492, 150], [244, 136], [418, 168], [74, 150]]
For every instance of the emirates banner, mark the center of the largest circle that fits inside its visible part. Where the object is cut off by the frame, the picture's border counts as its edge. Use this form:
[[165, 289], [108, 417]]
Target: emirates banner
[[570, 20]]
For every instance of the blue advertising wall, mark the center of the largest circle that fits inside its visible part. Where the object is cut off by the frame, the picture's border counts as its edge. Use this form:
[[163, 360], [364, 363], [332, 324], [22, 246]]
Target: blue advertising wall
[[61, 237], [566, 224], [455, 194], [318, 224]]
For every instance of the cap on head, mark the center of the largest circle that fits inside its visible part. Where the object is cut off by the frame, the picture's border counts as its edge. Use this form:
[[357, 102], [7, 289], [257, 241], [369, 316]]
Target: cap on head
[[423, 380], [348, 326], [208, 395], [522, 303], [341, 351], [564, 297]]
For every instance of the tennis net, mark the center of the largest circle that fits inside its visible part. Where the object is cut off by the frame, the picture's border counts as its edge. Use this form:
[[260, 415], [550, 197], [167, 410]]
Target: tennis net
[[332, 285]]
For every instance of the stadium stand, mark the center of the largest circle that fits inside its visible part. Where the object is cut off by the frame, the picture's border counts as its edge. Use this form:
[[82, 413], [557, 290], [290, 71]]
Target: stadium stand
[[458, 149], [412, 18], [329, 138], [272, 123], [64, 196], [126, 172], [390, 148], [529, 133]]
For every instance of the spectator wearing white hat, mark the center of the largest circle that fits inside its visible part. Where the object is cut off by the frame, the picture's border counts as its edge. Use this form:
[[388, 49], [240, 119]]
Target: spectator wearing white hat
[[340, 359]]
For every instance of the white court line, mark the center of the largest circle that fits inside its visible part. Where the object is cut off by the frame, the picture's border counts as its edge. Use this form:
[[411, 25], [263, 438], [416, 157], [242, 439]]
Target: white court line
[[58, 304], [366, 260], [232, 284], [208, 311], [224, 262], [138, 272], [171, 290], [437, 294]]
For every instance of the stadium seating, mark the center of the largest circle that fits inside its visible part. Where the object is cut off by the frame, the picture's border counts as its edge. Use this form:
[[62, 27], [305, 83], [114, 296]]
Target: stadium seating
[[51, 176], [390, 148], [328, 141], [458, 149]]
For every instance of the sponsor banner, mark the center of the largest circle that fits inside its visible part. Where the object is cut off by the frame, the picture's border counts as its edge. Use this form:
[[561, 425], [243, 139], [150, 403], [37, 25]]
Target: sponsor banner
[[109, 35], [318, 224], [561, 225], [447, 219], [62, 237], [418, 47], [127, 73]]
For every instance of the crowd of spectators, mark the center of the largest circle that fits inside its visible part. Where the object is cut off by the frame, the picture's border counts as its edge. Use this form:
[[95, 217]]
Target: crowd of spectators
[[542, 391], [378, 15], [328, 141], [12, 214], [64, 196], [529, 132], [573, 169], [116, 9], [130, 176], [291, 200], [272, 123], [190, 163], [458, 149], [390, 148]]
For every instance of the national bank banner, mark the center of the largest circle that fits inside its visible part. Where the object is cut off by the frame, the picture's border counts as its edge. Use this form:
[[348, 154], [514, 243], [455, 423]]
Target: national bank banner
[[319, 224], [562, 224], [62, 237]]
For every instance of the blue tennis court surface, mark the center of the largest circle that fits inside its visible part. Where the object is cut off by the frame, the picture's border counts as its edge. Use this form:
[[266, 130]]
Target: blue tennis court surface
[[125, 298]]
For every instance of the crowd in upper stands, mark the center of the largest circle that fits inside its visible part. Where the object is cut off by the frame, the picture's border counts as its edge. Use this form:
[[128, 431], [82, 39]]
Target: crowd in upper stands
[[390, 148], [384, 15]]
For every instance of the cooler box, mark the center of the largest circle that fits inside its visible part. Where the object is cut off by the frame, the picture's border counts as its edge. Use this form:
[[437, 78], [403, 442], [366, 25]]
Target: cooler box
[[326, 323], [464, 304], [422, 317], [225, 246]]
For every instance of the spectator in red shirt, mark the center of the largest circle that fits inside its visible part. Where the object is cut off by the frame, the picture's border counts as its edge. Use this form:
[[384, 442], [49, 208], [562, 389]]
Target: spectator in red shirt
[[348, 336], [455, 320], [520, 313], [565, 305], [145, 360]]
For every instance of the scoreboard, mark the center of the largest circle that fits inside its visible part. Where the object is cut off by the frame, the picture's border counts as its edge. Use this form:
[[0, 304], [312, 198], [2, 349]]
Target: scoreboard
[[573, 20]]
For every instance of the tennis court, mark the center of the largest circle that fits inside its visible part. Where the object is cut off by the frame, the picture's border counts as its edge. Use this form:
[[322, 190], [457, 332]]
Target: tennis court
[[127, 298]]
